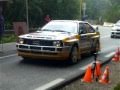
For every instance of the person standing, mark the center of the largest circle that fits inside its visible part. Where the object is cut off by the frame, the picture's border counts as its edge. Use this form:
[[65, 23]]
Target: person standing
[[1, 28], [1, 24], [47, 19]]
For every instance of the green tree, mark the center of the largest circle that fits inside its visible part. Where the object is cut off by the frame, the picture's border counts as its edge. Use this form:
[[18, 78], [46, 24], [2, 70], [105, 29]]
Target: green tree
[[57, 9], [69, 9], [15, 11], [96, 8], [113, 13]]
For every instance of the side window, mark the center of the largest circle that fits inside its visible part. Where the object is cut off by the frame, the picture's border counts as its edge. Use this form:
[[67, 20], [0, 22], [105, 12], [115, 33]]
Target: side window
[[89, 28], [82, 29]]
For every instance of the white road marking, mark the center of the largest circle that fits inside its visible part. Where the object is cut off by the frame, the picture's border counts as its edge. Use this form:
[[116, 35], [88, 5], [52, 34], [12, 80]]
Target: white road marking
[[8, 56], [110, 54], [50, 84]]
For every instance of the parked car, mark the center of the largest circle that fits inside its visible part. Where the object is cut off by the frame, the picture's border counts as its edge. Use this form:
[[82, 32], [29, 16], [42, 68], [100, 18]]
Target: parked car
[[115, 32], [60, 40]]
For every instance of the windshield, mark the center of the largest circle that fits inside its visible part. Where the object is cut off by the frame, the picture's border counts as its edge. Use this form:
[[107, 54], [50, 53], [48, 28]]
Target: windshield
[[118, 23], [61, 26]]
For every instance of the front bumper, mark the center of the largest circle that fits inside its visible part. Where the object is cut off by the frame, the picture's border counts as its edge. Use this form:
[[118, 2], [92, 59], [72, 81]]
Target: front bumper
[[115, 33], [43, 52]]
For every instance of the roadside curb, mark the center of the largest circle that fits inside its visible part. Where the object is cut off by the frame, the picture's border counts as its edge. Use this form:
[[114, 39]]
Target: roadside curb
[[8, 48], [74, 77], [4, 53]]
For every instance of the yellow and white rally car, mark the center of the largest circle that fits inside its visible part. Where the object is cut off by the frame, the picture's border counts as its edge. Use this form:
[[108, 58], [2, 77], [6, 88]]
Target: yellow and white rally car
[[60, 40]]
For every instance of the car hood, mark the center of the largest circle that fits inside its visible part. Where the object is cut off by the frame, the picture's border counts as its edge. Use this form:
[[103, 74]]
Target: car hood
[[116, 27], [48, 35]]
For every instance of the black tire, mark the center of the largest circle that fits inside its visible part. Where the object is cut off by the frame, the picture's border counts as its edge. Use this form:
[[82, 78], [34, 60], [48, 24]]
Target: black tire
[[26, 59], [74, 56], [112, 36]]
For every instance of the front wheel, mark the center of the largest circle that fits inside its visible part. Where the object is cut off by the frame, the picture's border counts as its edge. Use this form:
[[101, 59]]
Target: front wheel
[[112, 36], [74, 56], [26, 59]]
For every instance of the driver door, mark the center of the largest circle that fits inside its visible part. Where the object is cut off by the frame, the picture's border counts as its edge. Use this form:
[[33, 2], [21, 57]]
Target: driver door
[[84, 39]]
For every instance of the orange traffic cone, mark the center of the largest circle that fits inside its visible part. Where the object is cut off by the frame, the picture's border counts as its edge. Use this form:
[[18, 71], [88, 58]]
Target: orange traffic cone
[[116, 57], [97, 72], [88, 75], [105, 77]]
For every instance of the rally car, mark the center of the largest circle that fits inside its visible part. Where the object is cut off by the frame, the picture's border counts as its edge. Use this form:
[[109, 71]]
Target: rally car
[[115, 32], [60, 40]]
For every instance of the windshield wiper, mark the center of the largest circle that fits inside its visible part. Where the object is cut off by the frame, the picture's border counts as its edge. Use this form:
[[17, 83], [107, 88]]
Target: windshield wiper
[[61, 31], [46, 30]]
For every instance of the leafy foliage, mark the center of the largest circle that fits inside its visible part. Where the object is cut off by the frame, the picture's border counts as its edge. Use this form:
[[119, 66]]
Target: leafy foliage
[[38, 9], [9, 38], [108, 10], [113, 13], [117, 87]]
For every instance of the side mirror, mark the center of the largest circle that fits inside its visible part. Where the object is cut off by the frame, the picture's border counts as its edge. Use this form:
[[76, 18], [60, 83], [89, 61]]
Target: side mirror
[[95, 27]]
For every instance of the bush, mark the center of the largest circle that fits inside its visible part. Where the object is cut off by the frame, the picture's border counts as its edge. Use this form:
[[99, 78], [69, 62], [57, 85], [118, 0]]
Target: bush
[[9, 38], [117, 87]]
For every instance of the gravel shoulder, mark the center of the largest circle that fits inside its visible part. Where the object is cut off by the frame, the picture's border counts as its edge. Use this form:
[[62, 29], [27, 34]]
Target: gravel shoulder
[[114, 71]]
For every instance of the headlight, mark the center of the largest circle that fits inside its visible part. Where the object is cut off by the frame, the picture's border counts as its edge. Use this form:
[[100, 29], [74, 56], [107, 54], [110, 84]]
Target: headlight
[[57, 43], [21, 41]]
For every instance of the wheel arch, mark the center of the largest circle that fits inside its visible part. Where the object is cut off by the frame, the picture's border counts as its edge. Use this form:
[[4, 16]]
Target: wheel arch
[[75, 45]]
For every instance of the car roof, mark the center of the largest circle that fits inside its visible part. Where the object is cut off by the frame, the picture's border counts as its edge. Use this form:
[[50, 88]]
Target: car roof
[[76, 21]]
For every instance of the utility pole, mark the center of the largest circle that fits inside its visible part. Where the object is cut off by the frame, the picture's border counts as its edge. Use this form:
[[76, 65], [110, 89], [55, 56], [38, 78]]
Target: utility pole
[[27, 15], [81, 1], [84, 9]]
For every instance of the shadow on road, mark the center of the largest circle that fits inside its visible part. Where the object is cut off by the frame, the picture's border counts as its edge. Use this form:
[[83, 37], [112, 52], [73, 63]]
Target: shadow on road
[[52, 63]]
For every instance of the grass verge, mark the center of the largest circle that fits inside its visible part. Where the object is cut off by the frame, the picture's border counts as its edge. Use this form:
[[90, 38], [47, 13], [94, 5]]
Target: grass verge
[[9, 38], [117, 87]]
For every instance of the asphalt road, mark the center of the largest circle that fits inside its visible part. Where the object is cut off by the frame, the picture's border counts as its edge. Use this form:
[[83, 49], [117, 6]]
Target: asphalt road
[[15, 74]]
